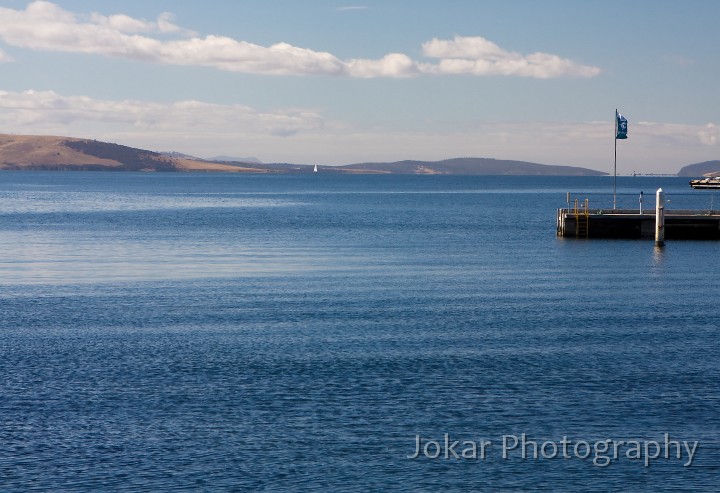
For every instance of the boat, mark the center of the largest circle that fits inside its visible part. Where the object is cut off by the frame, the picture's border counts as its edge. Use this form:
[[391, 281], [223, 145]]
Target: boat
[[315, 169], [704, 183]]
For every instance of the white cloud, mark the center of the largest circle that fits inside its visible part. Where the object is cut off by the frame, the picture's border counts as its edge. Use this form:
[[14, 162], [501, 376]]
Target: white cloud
[[4, 57], [123, 23], [45, 26], [479, 56], [463, 47], [392, 65], [239, 56]]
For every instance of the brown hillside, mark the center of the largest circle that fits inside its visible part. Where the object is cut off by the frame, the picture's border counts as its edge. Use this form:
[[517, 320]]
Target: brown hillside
[[31, 151], [39, 152], [192, 165]]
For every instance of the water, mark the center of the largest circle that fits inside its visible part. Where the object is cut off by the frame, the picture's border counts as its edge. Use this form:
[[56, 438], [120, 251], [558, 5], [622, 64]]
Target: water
[[177, 332]]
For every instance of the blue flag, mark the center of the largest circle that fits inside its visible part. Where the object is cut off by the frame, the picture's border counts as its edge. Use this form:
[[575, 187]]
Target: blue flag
[[620, 126]]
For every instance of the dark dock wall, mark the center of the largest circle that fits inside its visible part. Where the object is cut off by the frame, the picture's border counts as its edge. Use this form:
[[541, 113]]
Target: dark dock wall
[[696, 228], [636, 226]]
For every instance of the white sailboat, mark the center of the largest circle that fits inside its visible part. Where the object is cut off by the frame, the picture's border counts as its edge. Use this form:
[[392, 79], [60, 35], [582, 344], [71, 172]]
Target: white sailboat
[[315, 169]]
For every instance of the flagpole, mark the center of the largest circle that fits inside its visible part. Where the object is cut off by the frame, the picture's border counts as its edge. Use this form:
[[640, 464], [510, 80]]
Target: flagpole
[[615, 167]]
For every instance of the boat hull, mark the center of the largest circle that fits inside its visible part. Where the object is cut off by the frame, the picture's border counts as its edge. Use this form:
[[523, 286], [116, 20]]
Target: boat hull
[[707, 183]]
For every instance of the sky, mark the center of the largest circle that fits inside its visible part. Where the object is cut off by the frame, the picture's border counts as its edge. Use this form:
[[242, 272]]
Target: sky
[[335, 82]]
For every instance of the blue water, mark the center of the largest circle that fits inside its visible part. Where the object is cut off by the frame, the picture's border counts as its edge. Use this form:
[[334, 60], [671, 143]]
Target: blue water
[[192, 332]]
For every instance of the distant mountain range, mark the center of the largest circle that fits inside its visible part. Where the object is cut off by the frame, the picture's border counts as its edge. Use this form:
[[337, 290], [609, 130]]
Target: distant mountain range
[[471, 166], [707, 168], [32, 152]]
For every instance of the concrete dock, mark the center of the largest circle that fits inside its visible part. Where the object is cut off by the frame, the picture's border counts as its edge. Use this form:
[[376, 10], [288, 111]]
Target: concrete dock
[[579, 220], [679, 225]]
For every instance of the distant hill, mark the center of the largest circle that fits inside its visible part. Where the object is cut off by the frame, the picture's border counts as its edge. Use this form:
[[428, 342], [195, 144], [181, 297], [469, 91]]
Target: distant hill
[[230, 159], [180, 155], [472, 166], [52, 153], [708, 168]]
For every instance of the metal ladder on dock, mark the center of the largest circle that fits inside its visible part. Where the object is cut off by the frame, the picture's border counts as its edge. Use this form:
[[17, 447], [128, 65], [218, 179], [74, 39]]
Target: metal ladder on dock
[[582, 219]]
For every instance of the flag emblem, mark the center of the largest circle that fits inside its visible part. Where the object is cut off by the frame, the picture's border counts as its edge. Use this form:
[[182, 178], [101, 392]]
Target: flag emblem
[[620, 126]]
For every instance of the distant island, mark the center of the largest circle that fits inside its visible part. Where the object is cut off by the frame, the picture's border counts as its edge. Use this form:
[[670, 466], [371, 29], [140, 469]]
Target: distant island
[[470, 166], [707, 168], [52, 153]]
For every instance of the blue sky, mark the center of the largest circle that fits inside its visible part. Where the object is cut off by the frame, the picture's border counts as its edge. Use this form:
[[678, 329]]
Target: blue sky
[[335, 82]]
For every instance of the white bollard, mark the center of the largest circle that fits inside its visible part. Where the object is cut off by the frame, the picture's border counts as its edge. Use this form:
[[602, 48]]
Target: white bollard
[[660, 218]]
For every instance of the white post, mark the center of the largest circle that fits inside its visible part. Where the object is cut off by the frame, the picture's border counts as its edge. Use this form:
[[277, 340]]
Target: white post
[[615, 168], [641, 203], [660, 218]]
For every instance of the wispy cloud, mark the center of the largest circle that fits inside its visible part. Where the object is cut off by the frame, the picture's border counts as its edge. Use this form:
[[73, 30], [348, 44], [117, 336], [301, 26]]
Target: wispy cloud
[[126, 24], [709, 134], [678, 60], [48, 111], [45, 26], [4, 57], [351, 8]]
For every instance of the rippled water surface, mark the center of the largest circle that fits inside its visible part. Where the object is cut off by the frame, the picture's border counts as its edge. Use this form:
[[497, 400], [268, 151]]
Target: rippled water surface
[[182, 332]]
